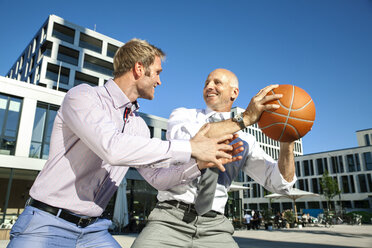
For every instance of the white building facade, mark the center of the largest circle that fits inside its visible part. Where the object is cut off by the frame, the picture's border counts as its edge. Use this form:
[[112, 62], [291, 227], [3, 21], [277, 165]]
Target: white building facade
[[351, 167]]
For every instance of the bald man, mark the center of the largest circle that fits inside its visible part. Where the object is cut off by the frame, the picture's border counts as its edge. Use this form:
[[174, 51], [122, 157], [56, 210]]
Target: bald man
[[177, 220]]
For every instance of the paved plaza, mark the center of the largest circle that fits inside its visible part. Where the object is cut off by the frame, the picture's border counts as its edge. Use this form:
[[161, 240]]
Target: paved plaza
[[337, 236]]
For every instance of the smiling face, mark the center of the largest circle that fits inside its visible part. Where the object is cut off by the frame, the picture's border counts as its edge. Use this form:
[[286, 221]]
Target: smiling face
[[150, 79], [218, 93]]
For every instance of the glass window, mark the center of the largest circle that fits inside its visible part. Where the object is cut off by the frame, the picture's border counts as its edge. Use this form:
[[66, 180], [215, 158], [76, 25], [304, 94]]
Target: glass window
[[334, 165], [341, 164], [311, 167], [63, 33], [298, 171], [350, 163], [367, 160], [164, 134], [366, 139], [345, 184], [319, 163], [357, 162], [369, 179], [57, 73], [68, 55], [362, 183], [315, 185], [352, 185], [10, 108], [43, 125], [90, 43], [151, 132], [15, 185], [98, 65], [82, 78], [306, 185], [306, 168], [111, 50]]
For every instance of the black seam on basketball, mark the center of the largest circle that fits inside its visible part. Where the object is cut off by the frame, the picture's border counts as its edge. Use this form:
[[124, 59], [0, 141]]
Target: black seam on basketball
[[289, 113], [281, 123], [290, 117]]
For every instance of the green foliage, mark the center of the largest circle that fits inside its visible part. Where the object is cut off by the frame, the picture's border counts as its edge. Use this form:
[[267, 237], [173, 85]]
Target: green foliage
[[289, 216], [329, 186], [366, 217], [267, 215]]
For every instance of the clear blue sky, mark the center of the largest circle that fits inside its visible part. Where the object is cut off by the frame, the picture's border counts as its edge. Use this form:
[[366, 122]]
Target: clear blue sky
[[322, 46]]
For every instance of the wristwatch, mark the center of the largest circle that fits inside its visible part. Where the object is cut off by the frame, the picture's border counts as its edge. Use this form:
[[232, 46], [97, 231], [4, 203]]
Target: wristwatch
[[239, 119]]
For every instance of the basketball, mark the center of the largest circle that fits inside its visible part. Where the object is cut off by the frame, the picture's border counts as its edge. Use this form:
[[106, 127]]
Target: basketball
[[293, 119]]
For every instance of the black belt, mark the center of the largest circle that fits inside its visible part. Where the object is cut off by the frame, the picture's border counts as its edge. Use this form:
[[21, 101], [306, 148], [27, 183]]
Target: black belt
[[63, 214], [190, 208]]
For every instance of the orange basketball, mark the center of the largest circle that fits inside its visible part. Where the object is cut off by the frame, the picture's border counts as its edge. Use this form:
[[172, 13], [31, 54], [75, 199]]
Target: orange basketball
[[293, 119]]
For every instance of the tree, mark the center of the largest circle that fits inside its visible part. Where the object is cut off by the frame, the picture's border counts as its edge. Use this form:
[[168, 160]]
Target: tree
[[329, 187]]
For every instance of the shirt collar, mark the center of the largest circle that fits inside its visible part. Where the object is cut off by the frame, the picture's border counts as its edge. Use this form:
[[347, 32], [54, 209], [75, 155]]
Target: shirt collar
[[118, 97], [224, 115]]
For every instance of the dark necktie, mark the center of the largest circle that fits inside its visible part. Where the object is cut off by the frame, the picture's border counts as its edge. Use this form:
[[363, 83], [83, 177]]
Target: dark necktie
[[207, 183]]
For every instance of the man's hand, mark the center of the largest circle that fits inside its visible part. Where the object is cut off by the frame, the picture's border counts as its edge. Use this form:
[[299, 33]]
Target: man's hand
[[237, 148], [258, 104], [211, 149]]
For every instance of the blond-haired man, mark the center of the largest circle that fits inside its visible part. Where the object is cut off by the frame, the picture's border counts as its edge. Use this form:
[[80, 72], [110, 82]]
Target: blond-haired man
[[180, 219], [97, 135]]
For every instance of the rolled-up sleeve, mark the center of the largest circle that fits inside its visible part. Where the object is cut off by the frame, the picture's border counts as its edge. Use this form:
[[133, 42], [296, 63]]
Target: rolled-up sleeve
[[84, 114], [263, 169]]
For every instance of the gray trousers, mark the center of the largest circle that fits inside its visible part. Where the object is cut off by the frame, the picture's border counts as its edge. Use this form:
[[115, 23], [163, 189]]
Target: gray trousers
[[169, 226]]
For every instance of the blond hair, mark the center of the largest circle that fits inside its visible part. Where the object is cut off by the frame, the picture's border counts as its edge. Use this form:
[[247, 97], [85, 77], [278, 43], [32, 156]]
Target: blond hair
[[134, 51]]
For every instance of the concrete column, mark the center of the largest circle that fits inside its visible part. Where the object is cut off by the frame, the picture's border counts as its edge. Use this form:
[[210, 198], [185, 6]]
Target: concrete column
[[25, 127], [104, 48]]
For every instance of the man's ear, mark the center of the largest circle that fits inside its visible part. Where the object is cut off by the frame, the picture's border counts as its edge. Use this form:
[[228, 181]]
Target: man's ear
[[138, 70], [234, 94]]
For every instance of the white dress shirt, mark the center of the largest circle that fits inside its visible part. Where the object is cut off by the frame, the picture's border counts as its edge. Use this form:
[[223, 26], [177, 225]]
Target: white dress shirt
[[183, 185], [90, 151]]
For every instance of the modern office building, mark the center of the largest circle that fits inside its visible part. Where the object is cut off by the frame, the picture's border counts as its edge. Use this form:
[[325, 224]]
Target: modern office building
[[62, 55], [351, 167]]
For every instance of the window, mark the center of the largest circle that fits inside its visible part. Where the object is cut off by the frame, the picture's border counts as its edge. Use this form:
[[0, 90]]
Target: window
[[57, 73], [369, 179], [341, 163], [357, 162], [319, 163], [151, 131], [46, 49], [68, 55], [301, 184], [352, 185], [362, 183], [63, 33], [298, 171], [98, 65], [366, 139], [164, 134], [334, 165], [306, 184], [43, 125], [306, 168], [82, 78], [367, 160], [345, 185], [315, 185], [350, 163], [10, 108], [90, 43], [111, 50]]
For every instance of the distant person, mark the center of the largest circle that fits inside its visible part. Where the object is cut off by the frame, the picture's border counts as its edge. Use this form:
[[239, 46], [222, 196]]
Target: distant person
[[247, 220], [191, 213], [97, 135]]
